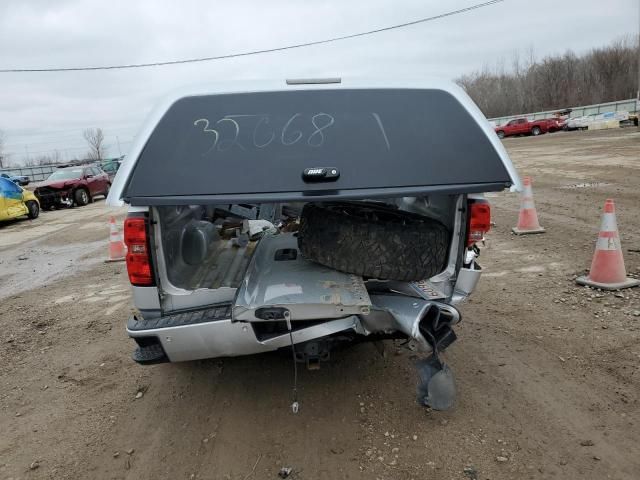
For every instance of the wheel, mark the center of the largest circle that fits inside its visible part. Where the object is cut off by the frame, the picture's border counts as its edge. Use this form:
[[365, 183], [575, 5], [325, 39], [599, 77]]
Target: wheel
[[34, 209], [81, 196], [106, 191], [500, 134], [373, 240], [535, 131]]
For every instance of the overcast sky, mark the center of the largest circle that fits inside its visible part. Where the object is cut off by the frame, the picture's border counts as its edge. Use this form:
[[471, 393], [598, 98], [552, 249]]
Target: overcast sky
[[43, 112]]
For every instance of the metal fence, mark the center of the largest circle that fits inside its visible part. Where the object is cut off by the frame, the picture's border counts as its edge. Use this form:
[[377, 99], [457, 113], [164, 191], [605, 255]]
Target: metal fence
[[630, 106], [35, 174]]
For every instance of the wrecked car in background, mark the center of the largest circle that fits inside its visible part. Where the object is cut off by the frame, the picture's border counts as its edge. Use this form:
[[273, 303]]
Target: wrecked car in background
[[16, 202], [21, 180], [306, 215], [111, 166], [69, 186]]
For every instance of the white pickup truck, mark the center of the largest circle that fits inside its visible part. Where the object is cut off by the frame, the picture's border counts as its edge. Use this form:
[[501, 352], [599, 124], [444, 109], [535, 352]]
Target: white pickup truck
[[307, 214]]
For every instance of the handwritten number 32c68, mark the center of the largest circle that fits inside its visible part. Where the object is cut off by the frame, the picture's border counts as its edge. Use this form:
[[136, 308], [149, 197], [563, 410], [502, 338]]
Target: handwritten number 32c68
[[288, 136]]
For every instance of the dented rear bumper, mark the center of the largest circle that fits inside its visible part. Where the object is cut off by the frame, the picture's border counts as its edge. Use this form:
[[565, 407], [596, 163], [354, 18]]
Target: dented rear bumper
[[212, 333], [189, 339]]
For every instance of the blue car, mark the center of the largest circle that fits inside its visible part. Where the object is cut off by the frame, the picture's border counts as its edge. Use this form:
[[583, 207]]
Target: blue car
[[19, 179]]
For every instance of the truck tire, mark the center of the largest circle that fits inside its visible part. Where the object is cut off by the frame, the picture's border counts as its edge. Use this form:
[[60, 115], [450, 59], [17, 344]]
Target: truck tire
[[535, 131], [372, 240]]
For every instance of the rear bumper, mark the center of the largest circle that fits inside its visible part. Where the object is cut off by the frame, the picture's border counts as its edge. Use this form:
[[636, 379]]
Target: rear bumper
[[186, 337], [211, 333]]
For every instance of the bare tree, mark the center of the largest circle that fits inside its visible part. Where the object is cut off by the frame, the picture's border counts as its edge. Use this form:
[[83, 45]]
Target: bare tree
[[567, 80], [2, 159], [95, 139]]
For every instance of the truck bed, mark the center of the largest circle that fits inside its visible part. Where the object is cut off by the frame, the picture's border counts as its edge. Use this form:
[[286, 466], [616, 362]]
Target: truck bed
[[224, 266]]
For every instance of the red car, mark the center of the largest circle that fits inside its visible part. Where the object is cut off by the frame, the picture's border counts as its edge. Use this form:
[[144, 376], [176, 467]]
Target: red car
[[70, 186], [555, 124], [522, 126]]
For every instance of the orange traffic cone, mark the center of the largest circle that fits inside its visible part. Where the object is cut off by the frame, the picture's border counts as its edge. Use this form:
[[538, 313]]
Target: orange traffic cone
[[528, 218], [117, 250], [607, 268]]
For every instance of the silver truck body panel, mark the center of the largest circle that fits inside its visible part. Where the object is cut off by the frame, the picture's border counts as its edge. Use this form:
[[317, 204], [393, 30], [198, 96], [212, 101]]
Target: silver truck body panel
[[228, 338], [146, 298], [225, 338], [307, 290]]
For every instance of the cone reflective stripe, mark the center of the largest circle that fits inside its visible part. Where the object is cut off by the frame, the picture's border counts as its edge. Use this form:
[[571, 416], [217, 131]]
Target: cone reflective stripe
[[117, 250], [528, 218], [607, 267]]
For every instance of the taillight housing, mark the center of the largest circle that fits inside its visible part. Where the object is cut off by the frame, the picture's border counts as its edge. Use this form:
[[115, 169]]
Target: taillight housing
[[138, 256], [479, 220]]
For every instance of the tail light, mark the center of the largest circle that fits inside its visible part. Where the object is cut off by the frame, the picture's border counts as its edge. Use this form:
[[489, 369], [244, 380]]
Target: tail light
[[479, 221], [138, 255]]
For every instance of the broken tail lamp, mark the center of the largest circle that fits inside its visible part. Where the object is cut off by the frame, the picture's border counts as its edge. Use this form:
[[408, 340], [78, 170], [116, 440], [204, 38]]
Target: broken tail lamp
[[479, 221], [138, 255]]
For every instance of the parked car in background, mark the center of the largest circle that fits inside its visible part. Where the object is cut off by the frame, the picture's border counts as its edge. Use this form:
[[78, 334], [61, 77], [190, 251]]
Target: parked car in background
[[599, 121], [522, 126], [19, 179], [579, 123], [111, 167], [16, 202], [555, 124], [70, 186]]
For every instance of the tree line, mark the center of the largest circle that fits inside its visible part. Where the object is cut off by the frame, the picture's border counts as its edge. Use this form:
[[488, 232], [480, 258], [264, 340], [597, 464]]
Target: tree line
[[556, 82], [96, 151]]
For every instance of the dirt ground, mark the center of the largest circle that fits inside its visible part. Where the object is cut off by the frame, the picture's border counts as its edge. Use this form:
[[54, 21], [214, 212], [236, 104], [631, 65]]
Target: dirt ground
[[548, 372]]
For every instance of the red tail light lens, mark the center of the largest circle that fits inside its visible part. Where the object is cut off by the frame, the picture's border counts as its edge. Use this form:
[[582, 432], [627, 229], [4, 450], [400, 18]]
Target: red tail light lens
[[479, 220], [138, 255]]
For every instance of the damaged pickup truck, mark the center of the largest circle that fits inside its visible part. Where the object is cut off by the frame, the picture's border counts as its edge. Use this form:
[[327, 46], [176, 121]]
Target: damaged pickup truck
[[305, 215]]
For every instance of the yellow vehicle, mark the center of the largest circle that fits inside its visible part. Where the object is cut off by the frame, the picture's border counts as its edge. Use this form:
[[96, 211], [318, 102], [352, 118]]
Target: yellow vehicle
[[15, 201]]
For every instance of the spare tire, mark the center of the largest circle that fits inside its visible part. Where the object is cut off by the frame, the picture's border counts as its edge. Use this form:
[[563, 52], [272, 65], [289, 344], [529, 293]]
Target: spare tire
[[373, 240]]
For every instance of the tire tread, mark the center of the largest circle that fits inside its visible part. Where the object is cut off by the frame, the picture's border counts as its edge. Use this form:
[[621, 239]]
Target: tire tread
[[413, 248]]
